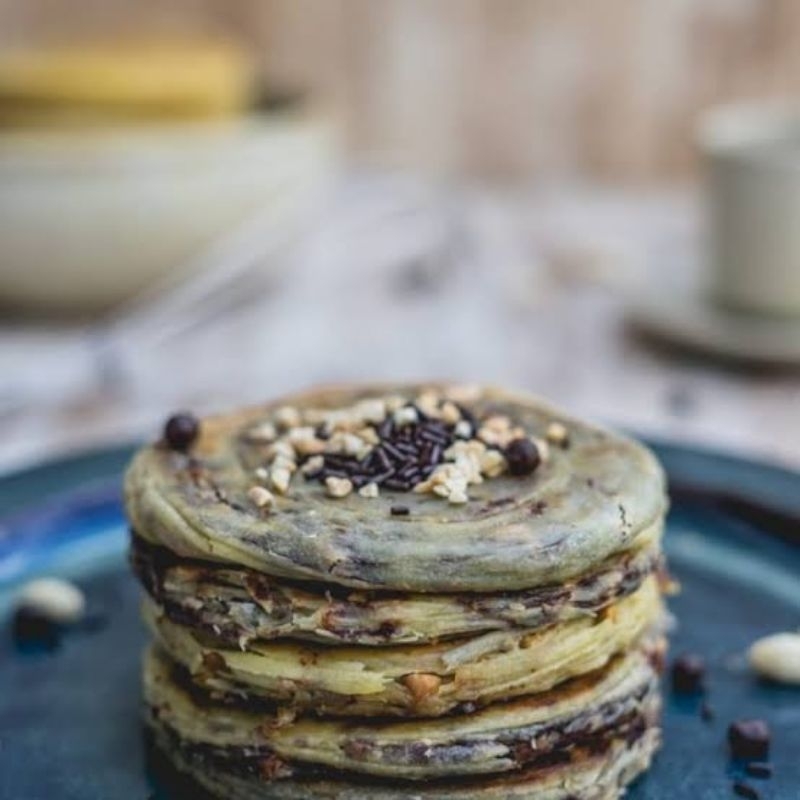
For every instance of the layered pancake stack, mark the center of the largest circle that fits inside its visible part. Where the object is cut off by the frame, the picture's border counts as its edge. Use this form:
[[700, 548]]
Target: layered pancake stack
[[401, 592]]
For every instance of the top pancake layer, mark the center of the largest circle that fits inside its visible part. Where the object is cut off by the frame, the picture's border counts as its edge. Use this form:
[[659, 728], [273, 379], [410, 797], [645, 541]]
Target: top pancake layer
[[587, 501]]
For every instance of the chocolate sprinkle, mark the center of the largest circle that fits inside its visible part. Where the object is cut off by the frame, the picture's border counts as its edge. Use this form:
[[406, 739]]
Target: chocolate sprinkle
[[404, 456], [399, 511]]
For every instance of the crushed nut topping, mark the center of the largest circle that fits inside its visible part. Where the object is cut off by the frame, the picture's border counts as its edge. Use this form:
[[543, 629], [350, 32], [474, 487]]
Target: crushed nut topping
[[492, 463], [463, 430], [305, 442], [338, 487], [264, 432], [288, 417], [281, 448], [543, 447], [373, 411], [557, 434], [450, 413], [407, 415], [422, 685], [279, 478], [261, 497], [313, 465], [429, 444]]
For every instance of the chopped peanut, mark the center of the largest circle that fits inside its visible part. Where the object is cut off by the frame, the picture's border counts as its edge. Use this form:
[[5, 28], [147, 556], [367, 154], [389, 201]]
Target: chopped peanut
[[288, 417], [338, 487], [261, 497], [314, 464], [422, 685]]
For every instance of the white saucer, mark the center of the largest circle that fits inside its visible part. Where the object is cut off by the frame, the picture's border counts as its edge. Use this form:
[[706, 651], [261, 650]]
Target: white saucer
[[693, 322]]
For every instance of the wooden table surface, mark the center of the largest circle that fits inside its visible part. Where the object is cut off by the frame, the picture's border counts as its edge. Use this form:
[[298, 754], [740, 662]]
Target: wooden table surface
[[399, 278]]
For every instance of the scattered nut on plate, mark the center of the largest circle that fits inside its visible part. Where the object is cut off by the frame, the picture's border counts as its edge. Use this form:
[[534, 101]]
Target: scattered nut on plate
[[53, 598], [777, 657]]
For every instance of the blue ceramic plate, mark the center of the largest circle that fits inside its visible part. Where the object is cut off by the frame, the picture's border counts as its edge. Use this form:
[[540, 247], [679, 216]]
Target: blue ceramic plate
[[69, 719]]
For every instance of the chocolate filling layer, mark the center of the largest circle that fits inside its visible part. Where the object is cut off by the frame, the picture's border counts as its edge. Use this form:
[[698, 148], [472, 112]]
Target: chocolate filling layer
[[540, 744], [240, 604], [261, 763]]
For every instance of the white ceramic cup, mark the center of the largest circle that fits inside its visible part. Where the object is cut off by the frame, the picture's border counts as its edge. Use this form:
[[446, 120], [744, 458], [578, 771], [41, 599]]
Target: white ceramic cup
[[753, 159]]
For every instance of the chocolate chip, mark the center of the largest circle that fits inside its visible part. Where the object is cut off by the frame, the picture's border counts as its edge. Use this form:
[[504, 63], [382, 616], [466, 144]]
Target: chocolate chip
[[749, 739], [400, 511], [397, 484], [32, 629], [522, 456], [181, 430], [745, 790], [322, 432], [688, 674], [759, 769], [387, 628]]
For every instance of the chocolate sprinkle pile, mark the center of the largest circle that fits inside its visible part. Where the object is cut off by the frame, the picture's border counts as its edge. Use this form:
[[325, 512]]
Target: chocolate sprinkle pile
[[405, 455]]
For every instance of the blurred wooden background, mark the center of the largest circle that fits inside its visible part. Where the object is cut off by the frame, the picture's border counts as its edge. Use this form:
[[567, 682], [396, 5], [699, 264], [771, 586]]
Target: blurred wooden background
[[609, 88]]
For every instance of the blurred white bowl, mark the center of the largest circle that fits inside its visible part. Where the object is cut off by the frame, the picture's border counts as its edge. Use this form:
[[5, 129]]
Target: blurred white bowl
[[89, 219]]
